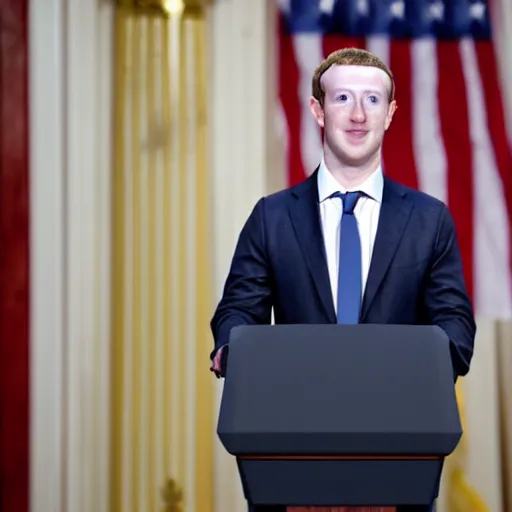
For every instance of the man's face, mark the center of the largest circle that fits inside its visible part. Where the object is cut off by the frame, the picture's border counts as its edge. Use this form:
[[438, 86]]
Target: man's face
[[356, 112]]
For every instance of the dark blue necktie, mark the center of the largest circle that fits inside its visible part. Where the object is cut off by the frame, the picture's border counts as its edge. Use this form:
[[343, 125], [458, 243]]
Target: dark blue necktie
[[349, 273]]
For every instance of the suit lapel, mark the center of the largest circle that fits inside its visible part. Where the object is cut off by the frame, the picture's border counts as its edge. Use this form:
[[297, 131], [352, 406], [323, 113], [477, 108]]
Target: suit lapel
[[394, 216], [305, 216]]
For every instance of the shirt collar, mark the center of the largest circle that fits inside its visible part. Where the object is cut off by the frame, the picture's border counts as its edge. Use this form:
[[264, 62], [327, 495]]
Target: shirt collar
[[373, 186]]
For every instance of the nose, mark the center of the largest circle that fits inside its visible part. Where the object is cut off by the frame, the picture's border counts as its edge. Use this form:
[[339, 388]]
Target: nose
[[357, 115]]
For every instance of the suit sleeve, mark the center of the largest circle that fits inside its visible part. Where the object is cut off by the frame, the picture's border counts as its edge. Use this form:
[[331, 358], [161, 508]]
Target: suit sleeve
[[446, 298], [247, 295]]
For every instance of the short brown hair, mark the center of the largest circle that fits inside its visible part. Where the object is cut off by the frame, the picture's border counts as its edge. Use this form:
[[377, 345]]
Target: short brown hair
[[348, 57]]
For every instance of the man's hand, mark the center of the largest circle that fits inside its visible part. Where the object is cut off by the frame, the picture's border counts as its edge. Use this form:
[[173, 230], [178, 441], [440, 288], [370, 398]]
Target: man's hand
[[217, 363]]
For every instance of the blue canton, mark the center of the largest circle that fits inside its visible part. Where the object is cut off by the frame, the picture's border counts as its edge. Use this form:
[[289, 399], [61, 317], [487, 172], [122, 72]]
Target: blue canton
[[397, 19]]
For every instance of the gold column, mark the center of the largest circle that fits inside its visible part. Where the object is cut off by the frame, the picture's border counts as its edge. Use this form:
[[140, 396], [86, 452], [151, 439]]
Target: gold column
[[162, 391]]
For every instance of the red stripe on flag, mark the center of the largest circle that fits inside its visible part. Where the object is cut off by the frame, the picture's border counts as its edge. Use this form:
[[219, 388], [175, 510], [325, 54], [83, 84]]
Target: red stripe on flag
[[289, 80], [496, 120], [398, 147], [454, 121]]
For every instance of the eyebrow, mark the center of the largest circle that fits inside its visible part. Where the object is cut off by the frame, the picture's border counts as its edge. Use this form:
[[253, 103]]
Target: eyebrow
[[366, 91]]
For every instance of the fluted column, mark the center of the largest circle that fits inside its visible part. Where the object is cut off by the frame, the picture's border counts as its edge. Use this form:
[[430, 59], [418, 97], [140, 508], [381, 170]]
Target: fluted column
[[162, 394]]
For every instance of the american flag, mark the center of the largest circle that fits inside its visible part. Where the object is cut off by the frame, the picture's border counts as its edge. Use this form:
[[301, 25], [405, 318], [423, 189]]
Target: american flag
[[449, 136]]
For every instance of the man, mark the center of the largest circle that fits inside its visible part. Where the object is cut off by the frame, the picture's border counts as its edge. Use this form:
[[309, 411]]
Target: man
[[349, 245]]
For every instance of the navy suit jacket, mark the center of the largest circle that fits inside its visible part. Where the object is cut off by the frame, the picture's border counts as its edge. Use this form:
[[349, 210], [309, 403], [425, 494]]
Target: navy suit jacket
[[415, 276]]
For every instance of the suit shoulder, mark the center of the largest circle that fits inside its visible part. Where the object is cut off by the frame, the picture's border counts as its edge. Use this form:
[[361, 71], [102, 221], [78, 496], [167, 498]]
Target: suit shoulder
[[268, 206], [281, 198]]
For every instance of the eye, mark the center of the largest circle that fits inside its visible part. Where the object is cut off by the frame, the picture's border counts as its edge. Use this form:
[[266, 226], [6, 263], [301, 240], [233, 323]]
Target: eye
[[342, 97], [373, 99]]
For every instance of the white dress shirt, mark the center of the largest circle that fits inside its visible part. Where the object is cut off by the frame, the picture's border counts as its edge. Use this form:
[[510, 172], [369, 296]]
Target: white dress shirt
[[367, 212]]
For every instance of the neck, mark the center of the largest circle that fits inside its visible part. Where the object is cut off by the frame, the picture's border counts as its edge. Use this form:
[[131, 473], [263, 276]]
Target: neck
[[350, 176]]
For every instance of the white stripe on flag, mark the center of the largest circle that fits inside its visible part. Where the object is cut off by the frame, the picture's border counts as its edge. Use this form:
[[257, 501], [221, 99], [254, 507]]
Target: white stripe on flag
[[308, 54], [429, 151], [379, 45], [492, 276], [282, 128]]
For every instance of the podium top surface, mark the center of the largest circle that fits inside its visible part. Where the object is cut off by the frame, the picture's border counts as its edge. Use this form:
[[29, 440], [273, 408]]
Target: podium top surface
[[339, 388]]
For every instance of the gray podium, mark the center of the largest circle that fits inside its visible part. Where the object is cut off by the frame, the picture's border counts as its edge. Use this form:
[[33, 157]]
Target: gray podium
[[333, 415]]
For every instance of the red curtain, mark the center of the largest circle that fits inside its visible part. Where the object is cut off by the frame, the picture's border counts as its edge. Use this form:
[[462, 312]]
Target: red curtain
[[14, 258]]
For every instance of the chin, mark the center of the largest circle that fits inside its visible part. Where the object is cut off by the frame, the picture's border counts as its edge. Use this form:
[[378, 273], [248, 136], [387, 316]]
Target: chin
[[355, 155], [355, 158]]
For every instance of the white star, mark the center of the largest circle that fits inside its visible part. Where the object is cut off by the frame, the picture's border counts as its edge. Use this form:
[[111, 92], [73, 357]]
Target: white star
[[398, 9], [477, 11], [327, 6], [436, 10], [362, 7]]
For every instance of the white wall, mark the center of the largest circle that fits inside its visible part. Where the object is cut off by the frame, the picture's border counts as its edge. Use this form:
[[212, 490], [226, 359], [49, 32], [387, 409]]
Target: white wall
[[47, 254], [70, 112], [240, 154]]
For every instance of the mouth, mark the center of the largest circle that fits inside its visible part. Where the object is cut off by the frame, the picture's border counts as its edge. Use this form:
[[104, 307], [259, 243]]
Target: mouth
[[357, 133], [356, 137]]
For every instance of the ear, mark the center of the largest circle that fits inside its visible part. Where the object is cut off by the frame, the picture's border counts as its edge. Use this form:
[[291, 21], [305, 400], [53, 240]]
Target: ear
[[391, 111], [317, 111]]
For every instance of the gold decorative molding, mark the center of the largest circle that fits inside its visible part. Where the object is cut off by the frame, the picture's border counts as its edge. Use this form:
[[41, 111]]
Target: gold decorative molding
[[167, 7], [195, 8], [172, 496], [155, 7], [196, 4]]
